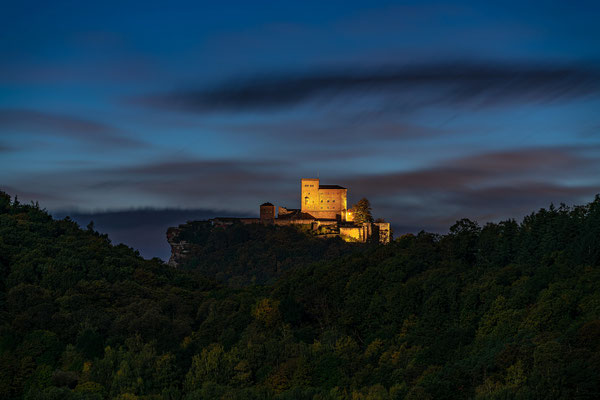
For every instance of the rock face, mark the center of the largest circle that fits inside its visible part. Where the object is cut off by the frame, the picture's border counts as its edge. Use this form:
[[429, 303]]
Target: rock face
[[178, 249]]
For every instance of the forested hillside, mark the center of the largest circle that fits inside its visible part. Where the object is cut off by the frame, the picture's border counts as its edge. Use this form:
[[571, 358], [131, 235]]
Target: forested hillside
[[245, 254], [507, 310]]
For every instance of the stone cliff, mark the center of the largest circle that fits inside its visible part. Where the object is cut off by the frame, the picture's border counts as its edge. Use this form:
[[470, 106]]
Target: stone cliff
[[178, 247]]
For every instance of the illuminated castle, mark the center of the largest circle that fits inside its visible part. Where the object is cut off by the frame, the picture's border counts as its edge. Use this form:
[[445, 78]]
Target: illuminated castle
[[324, 211], [323, 201]]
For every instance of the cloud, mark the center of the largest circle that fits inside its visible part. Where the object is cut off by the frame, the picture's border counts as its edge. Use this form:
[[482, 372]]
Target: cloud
[[337, 131], [484, 187], [31, 195], [192, 179], [6, 149], [476, 84], [484, 169], [66, 126], [187, 183], [190, 183], [194, 166]]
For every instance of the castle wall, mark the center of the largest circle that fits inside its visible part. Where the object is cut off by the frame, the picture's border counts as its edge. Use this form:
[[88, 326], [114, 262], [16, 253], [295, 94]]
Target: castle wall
[[286, 222], [351, 232], [324, 214], [384, 232]]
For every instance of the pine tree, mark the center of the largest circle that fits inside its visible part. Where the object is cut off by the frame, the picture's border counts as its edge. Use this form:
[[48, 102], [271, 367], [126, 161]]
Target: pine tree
[[362, 211]]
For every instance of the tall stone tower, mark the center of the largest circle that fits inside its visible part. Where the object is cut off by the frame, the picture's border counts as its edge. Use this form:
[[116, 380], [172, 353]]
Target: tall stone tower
[[310, 194], [323, 201]]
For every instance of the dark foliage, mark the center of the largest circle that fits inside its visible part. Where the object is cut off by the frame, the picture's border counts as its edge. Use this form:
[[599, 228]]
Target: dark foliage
[[506, 310], [362, 211], [244, 254]]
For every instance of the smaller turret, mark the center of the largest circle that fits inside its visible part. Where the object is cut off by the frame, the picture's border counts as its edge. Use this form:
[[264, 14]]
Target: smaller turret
[[267, 213]]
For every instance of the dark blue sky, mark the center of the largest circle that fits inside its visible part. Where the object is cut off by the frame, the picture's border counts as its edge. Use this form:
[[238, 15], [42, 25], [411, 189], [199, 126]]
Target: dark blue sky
[[433, 110]]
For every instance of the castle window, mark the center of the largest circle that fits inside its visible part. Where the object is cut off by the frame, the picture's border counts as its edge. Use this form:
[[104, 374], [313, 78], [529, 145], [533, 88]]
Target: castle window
[[328, 201], [306, 200], [334, 201]]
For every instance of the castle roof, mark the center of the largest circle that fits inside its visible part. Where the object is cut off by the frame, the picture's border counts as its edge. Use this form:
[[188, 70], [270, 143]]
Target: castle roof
[[331, 187], [296, 214], [266, 204]]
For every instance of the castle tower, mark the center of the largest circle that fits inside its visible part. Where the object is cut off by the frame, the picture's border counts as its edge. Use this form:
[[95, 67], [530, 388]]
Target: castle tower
[[310, 195], [267, 213], [323, 201]]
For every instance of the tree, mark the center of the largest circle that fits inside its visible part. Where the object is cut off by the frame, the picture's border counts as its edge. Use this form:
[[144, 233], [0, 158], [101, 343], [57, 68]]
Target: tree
[[362, 211]]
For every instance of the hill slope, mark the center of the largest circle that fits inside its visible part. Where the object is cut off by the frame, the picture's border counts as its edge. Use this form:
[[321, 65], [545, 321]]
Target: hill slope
[[243, 254], [505, 311]]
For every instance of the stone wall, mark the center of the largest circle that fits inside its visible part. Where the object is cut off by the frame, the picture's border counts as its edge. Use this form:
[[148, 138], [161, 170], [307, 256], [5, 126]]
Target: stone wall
[[384, 232]]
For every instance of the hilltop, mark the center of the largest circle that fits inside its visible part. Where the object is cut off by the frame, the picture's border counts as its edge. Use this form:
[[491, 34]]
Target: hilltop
[[507, 310]]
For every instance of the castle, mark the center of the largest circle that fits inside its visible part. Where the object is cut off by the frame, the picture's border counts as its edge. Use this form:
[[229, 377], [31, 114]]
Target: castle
[[323, 211]]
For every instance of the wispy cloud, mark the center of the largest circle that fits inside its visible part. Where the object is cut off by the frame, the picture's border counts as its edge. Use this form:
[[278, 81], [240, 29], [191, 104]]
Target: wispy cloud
[[547, 164], [229, 184], [337, 131], [224, 181], [464, 83], [83, 130], [32, 195], [483, 186], [6, 149]]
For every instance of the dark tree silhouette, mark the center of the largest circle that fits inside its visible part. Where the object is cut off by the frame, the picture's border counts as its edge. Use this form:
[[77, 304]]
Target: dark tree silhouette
[[362, 211]]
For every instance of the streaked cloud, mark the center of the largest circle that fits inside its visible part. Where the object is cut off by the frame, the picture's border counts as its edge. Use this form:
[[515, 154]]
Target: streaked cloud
[[189, 183], [80, 129], [6, 149], [461, 83], [486, 186]]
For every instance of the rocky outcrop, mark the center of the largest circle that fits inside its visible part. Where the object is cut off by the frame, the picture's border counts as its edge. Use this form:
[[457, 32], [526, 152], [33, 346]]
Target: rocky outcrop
[[178, 246]]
